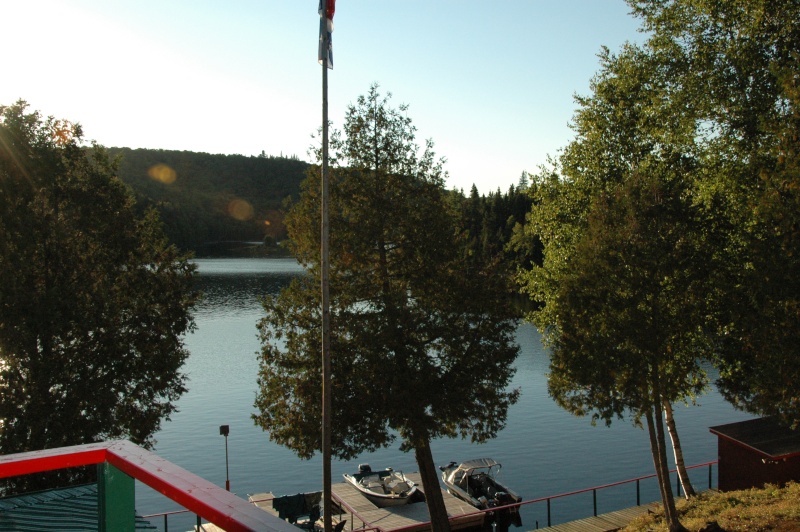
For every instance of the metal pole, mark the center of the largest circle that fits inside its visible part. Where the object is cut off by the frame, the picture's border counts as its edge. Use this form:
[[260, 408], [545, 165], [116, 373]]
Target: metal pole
[[638, 497], [225, 430], [325, 267], [548, 512], [227, 474]]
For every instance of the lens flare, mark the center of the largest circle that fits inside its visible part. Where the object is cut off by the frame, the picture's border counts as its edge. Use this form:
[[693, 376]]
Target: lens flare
[[162, 172], [240, 209]]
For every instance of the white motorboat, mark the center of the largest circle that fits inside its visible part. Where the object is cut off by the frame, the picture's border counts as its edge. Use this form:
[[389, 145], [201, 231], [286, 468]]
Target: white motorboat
[[383, 488]]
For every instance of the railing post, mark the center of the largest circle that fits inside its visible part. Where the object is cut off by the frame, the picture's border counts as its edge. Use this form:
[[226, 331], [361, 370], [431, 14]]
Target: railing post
[[709, 474], [166, 523], [548, 512], [116, 496], [594, 501], [638, 496]]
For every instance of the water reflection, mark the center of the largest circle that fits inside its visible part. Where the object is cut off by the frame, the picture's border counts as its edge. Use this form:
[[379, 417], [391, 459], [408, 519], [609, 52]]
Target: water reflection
[[237, 294], [234, 286]]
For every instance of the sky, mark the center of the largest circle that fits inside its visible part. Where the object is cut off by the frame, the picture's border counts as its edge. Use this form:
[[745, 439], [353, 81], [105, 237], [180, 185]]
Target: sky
[[491, 83]]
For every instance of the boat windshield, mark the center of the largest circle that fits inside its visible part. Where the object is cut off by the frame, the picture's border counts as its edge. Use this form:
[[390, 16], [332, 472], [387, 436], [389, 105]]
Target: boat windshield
[[474, 467]]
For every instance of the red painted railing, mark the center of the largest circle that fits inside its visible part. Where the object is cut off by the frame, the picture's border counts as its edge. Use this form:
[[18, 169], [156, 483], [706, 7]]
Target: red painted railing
[[595, 489], [194, 493]]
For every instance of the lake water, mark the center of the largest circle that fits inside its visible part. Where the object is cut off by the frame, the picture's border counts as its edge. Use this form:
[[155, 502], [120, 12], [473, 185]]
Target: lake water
[[544, 450]]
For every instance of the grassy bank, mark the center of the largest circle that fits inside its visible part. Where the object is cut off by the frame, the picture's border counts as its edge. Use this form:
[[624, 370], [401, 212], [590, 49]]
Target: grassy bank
[[771, 508]]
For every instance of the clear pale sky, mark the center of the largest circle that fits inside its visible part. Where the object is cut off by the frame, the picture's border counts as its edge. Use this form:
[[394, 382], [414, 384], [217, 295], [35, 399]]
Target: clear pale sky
[[491, 82]]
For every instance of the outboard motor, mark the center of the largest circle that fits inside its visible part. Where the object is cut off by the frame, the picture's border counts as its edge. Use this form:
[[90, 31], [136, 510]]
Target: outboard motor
[[503, 498], [364, 468]]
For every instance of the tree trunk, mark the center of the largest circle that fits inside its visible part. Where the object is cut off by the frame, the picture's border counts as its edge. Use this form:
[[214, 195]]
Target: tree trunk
[[430, 485], [655, 428], [688, 490], [651, 432]]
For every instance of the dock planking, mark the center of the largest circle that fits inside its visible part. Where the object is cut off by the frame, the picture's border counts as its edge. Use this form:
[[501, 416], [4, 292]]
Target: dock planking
[[608, 522]]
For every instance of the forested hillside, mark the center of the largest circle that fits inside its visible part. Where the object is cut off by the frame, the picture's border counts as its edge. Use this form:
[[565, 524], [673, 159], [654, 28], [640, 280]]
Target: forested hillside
[[491, 223], [217, 204], [208, 202]]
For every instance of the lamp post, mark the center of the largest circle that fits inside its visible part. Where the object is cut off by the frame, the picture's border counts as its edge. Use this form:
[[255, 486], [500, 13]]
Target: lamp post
[[225, 430]]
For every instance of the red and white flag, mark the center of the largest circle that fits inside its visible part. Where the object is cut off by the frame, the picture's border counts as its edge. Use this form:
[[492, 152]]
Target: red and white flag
[[326, 10]]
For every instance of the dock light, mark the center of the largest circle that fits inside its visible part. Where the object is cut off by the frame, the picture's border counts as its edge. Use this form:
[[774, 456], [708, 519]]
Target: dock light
[[224, 430]]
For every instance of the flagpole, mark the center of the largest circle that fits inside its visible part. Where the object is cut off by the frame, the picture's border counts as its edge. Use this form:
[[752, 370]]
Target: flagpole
[[327, 509]]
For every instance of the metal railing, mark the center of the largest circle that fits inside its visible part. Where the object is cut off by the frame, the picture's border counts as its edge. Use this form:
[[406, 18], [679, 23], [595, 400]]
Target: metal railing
[[198, 526], [165, 516], [595, 489], [547, 500]]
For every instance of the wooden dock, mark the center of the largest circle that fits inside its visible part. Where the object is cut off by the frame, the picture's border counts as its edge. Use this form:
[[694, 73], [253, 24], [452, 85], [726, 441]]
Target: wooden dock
[[604, 522], [360, 512]]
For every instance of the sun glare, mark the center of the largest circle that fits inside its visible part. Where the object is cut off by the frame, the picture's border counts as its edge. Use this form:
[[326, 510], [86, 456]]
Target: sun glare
[[162, 172], [240, 209]]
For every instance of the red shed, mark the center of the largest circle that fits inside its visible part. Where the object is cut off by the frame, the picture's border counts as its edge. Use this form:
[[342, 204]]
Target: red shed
[[756, 452]]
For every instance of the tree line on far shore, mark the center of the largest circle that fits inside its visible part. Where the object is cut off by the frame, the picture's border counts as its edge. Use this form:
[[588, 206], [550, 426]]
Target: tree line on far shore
[[211, 204], [216, 204]]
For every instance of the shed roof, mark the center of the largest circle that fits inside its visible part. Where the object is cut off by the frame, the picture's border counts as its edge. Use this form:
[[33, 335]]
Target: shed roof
[[60, 509], [763, 435]]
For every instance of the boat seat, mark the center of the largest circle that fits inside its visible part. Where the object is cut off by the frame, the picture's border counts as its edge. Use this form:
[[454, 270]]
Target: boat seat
[[399, 487], [374, 485]]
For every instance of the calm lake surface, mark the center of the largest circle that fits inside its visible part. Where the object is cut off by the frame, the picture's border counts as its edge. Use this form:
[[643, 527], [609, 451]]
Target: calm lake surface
[[544, 450]]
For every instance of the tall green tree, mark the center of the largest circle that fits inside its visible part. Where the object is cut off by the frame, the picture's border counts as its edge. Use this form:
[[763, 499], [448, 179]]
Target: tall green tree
[[710, 100], [629, 255], [628, 342], [735, 68], [93, 303], [422, 333]]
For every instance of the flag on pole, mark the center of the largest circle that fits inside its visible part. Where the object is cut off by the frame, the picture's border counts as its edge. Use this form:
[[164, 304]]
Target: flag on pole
[[326, 9]]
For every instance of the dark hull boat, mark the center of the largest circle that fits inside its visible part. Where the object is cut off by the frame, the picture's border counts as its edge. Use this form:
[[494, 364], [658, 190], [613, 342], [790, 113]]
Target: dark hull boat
[[475, 481]]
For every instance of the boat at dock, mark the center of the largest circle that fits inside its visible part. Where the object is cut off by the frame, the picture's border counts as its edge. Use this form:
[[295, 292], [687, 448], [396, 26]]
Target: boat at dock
[[475, 481], [383, 488]]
